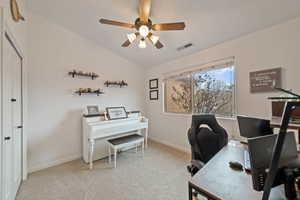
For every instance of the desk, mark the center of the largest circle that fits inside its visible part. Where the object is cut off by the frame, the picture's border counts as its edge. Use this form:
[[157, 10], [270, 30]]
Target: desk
[[217, 181]]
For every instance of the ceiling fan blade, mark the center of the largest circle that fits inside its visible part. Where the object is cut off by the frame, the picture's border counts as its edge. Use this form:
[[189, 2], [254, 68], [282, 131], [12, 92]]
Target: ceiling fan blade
[[159, 45], [169, 26], [144, 10], [126, 43], [116, 23]]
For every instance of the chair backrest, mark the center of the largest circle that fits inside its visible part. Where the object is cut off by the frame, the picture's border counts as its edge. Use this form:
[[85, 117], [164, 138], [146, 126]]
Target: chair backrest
[[206, 142]]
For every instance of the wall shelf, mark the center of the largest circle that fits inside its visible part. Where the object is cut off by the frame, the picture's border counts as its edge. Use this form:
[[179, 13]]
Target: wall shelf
[[75, 73], [116, 83], [83, 91]]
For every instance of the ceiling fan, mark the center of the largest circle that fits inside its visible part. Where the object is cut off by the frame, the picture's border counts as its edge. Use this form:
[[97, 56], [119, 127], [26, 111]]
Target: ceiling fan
[[143, 26]]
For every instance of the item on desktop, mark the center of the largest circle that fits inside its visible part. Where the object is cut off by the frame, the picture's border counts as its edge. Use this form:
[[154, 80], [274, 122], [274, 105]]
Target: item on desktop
[[289, 186], [247, 163], [261, 149], [253, 127], [236, 166]]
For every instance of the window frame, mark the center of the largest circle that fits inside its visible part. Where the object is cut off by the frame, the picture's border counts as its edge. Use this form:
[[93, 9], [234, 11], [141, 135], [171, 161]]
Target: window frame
[[191, 74]]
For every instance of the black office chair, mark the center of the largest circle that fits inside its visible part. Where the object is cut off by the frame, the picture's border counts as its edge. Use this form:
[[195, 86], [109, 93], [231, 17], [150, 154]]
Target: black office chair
[[205, 142]]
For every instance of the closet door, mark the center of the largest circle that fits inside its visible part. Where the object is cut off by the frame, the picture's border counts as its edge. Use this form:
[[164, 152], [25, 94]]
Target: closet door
[[12, 106], [17, 121], [8, 57]]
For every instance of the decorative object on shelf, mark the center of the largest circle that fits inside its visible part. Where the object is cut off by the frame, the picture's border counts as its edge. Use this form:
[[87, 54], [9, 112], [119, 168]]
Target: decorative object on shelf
[[116, 83], [114, 113], [15, 11], [153, 95], [265, 80], [81, 73], [93, 110], [81, 91], [153, 84]]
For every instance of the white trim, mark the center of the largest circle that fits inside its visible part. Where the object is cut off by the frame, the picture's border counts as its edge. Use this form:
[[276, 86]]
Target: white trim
[[182, 149], [219, 63], [45, 165], [1, 105]]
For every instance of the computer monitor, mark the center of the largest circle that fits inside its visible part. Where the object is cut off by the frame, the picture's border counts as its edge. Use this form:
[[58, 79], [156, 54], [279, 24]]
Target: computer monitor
[[261, 149], [260, 153], [253, 127]]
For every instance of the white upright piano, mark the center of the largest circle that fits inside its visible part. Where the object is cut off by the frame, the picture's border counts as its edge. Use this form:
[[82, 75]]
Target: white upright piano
[[96, 131]]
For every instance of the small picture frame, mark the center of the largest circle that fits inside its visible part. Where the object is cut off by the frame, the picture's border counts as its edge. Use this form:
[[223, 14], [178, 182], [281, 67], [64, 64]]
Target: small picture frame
[[153, 84], [153, 95], [93, 110], [114, 113]]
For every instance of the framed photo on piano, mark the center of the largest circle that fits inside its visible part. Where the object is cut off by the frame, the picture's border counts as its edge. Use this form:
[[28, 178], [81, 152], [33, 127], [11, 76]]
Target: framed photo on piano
[[92, 110], [114, 113]]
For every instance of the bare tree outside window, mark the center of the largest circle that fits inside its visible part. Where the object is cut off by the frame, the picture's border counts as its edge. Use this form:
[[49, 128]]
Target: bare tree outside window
[[178, 95], [208, 91], [214, 92]]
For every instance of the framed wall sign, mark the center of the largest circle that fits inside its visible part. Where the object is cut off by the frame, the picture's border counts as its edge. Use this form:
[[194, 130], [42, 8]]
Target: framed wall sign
[[265, 80], [93, 110], [153, 95], [114, 113], [153, 84]]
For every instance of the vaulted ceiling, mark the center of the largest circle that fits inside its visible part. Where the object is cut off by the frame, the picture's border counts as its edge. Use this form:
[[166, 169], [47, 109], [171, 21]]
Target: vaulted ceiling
[[208, 22]]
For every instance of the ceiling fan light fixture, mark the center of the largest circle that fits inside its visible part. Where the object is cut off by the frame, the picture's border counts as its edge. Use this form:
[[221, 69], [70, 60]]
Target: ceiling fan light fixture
[[131, 37], [142, 44], [154, 39], [144, 30]]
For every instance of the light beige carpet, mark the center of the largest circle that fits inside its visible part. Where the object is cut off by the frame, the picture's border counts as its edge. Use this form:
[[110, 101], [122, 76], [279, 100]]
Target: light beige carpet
[[160, 175]]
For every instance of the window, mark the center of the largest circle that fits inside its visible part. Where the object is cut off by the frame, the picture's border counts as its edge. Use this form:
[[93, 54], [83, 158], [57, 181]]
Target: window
[[178, 95], [209, 90]]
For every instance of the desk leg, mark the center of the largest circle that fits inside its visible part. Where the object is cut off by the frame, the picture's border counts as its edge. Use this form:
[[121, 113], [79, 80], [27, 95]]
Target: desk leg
[[190, 192], [92, 143], [109, 154], [146, 137]]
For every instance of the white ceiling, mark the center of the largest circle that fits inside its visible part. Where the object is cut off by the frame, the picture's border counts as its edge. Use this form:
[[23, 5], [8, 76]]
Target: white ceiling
[[208, 22]]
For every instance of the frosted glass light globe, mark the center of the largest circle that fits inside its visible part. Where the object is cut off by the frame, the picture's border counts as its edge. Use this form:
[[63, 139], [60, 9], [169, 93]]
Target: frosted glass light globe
[[142, 44], [144, 31], [131, 37]]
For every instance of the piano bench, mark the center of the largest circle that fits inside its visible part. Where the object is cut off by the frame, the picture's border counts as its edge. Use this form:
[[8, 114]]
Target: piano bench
[[123, 142]]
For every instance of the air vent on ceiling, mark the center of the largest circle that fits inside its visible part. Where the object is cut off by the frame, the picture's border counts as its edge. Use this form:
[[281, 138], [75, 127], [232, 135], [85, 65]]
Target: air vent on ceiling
[[184, 46]]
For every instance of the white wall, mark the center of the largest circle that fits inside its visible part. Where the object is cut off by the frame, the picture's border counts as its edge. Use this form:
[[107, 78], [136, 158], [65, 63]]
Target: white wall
[[55, 114], [278, 46]]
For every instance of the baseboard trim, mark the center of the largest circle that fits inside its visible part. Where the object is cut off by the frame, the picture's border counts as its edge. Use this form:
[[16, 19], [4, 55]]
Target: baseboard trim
[[182, 149], [53, 163]]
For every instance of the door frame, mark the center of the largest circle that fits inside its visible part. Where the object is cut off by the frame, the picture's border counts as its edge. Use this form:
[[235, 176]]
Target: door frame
[[7, 34]]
